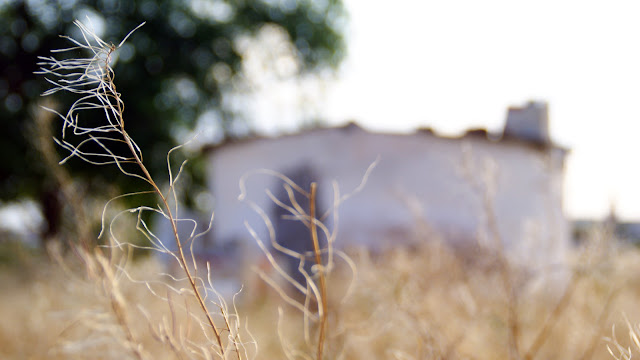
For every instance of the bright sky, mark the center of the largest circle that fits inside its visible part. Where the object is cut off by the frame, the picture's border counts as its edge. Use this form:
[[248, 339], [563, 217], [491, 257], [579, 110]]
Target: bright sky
[[457, 64]]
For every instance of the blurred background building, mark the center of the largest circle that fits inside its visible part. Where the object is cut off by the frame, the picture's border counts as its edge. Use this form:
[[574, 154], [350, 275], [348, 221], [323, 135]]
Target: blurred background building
[[479, 190]]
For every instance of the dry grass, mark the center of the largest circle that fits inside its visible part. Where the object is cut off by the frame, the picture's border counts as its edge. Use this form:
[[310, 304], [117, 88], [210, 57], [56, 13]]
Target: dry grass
[[55, 314], [424, 304]]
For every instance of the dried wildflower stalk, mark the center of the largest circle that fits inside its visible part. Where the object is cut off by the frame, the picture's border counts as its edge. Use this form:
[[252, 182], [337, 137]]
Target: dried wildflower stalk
[[92, 80], [321, 274], [322, 255]]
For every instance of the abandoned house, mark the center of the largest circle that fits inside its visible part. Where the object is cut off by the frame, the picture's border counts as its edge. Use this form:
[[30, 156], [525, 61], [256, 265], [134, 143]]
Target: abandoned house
[[479, 188]]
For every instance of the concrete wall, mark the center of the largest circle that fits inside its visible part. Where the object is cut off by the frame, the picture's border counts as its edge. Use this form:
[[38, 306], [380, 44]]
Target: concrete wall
[[421, 180]]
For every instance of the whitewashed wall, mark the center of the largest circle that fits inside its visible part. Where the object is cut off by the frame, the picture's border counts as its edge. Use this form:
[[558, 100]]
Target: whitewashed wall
[[419, 179]]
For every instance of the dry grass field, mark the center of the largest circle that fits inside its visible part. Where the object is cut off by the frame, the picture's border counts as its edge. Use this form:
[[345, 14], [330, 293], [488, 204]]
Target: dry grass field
[[425, 303]]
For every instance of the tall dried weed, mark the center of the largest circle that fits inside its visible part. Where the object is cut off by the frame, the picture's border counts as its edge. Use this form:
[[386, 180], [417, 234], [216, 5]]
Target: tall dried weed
[[92, 80]]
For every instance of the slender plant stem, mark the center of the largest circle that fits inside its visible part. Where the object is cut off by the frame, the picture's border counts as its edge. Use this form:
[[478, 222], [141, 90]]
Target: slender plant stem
[[174, 228], [602, 318], [552, 319], [321, 270]]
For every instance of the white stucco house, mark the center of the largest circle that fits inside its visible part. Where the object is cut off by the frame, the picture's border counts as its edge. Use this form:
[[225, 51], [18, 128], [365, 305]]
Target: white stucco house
[[456, 187]]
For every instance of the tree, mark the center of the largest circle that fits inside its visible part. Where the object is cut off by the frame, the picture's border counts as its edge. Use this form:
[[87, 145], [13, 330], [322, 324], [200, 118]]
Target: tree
[[172, 71]]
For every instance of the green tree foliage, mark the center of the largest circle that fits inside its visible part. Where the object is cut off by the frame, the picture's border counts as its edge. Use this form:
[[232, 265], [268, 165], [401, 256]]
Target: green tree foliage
[[168, 72]]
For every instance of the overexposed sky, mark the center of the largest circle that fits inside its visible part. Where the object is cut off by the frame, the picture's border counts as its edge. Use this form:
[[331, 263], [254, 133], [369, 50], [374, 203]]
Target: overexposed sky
[[457, 64]]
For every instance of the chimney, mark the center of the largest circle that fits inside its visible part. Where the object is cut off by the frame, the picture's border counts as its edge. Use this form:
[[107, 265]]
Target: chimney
[[529, 123]]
